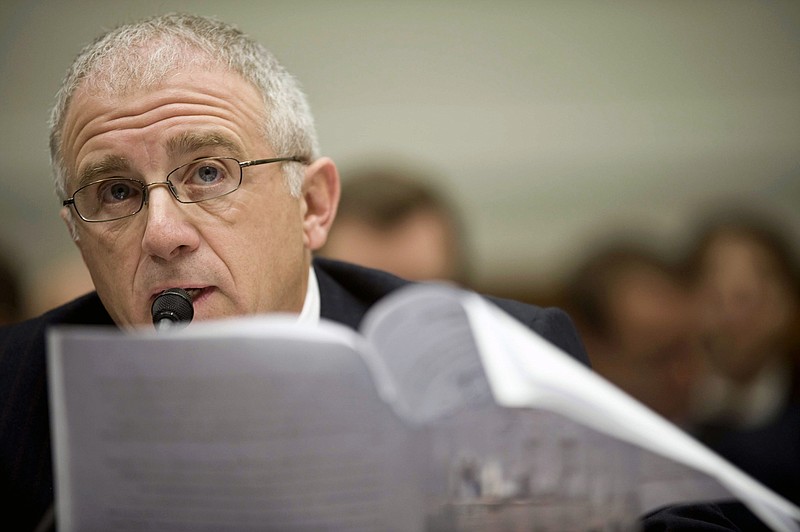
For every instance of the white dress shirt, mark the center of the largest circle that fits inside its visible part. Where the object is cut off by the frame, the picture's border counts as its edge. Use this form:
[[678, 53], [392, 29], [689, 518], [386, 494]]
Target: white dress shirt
[[310, 313]]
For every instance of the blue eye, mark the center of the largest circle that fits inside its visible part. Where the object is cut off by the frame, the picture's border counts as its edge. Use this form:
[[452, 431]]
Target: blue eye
[[117, 191], [204, 179], [208, 174], [120, 192]]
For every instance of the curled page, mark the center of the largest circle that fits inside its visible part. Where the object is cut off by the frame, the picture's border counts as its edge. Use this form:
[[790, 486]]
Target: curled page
[[622, 456]]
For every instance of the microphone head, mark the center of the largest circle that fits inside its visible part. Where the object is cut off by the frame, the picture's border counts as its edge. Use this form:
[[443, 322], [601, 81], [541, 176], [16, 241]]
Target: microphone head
[[171, 307]]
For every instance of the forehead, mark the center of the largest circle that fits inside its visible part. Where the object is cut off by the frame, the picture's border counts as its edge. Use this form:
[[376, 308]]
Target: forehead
[[189, 109], [733, 253]]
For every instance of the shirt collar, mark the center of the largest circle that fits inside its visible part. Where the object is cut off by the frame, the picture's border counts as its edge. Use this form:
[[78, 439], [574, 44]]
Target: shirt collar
[[311, 307]]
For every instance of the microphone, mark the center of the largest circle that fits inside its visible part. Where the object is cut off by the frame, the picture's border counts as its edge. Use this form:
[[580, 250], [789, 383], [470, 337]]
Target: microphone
[[172, 308]]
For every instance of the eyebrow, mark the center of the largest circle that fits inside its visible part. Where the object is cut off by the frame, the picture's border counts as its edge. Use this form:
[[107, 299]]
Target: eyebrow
[[110, 164], [180, 145], [192, 142]]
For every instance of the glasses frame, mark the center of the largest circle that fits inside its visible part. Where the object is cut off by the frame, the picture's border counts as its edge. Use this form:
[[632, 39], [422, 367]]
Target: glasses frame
[[146, 186]]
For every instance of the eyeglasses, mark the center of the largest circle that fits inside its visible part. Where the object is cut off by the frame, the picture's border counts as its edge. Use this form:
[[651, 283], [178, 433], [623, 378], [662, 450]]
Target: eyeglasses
[[115, 198]]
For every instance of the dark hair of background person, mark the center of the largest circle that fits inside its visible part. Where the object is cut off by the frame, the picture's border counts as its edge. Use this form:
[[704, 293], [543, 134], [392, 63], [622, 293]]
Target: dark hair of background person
[[384, 200], [588, 290], [759, 228], [11, 303]]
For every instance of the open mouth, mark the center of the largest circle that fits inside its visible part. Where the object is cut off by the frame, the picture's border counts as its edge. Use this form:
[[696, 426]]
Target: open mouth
[[199, 294], [193, 292]]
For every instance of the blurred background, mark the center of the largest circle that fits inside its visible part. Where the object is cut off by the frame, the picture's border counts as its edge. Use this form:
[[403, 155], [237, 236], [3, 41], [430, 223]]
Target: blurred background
[[550, 125]]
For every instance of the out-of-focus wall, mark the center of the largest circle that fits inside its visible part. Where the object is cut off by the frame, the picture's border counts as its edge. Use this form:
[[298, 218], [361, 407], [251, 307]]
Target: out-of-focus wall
[[551, 122]]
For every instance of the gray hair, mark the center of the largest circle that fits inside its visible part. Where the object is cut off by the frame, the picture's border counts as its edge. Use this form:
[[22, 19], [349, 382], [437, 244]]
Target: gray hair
[[141, 54]]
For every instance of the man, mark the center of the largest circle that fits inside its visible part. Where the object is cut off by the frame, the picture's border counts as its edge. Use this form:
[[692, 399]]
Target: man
[[745, 279], [185, 156], [634, 314]]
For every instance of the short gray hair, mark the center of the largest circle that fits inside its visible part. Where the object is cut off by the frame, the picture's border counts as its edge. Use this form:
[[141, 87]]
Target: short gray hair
[[140, 54]]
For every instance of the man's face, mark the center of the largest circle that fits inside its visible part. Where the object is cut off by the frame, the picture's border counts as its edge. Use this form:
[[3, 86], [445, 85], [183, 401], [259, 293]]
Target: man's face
[[746, 305], [420, 247], [244, 253]]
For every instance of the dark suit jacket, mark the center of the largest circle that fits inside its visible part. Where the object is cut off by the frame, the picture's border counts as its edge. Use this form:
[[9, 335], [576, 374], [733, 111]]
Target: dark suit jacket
[[769, 453], [346, 291]]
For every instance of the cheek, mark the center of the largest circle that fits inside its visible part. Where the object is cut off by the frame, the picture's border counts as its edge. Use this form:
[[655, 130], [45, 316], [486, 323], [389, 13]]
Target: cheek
[[255, 237], [111, 255], [106, 246]]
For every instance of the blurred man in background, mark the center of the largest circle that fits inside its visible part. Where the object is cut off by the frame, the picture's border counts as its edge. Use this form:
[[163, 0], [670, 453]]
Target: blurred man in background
[[634, 314], [395, 219], [745, 278]]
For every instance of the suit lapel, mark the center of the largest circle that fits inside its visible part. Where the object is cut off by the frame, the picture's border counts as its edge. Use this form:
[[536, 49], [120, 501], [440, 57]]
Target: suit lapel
[[336, 303]]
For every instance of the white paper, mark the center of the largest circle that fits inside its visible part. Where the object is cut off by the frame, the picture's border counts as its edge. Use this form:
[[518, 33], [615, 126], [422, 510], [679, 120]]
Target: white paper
[[445, 415], [225, 432]]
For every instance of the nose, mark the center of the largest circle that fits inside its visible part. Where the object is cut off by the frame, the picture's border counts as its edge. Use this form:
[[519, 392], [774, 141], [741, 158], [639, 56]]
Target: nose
[[169, 231]]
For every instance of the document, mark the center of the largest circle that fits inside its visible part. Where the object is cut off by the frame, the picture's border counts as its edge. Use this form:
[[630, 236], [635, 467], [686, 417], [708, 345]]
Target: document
[[442, 413]]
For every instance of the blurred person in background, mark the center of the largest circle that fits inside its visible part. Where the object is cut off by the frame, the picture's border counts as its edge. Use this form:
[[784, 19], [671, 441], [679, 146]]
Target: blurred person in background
[[632, 310], [745, 279], [395, 219], [63, 279]]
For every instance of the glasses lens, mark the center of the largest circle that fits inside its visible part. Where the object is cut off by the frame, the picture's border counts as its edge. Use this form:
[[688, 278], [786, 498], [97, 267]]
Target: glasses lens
[[109, 199], [205, 179]]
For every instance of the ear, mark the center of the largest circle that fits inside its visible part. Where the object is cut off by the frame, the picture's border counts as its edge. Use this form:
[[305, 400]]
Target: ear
[[320, 200]]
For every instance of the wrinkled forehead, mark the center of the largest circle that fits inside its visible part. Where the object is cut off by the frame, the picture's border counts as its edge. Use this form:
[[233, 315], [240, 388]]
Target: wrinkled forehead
[[183, 97], [118, 72]]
